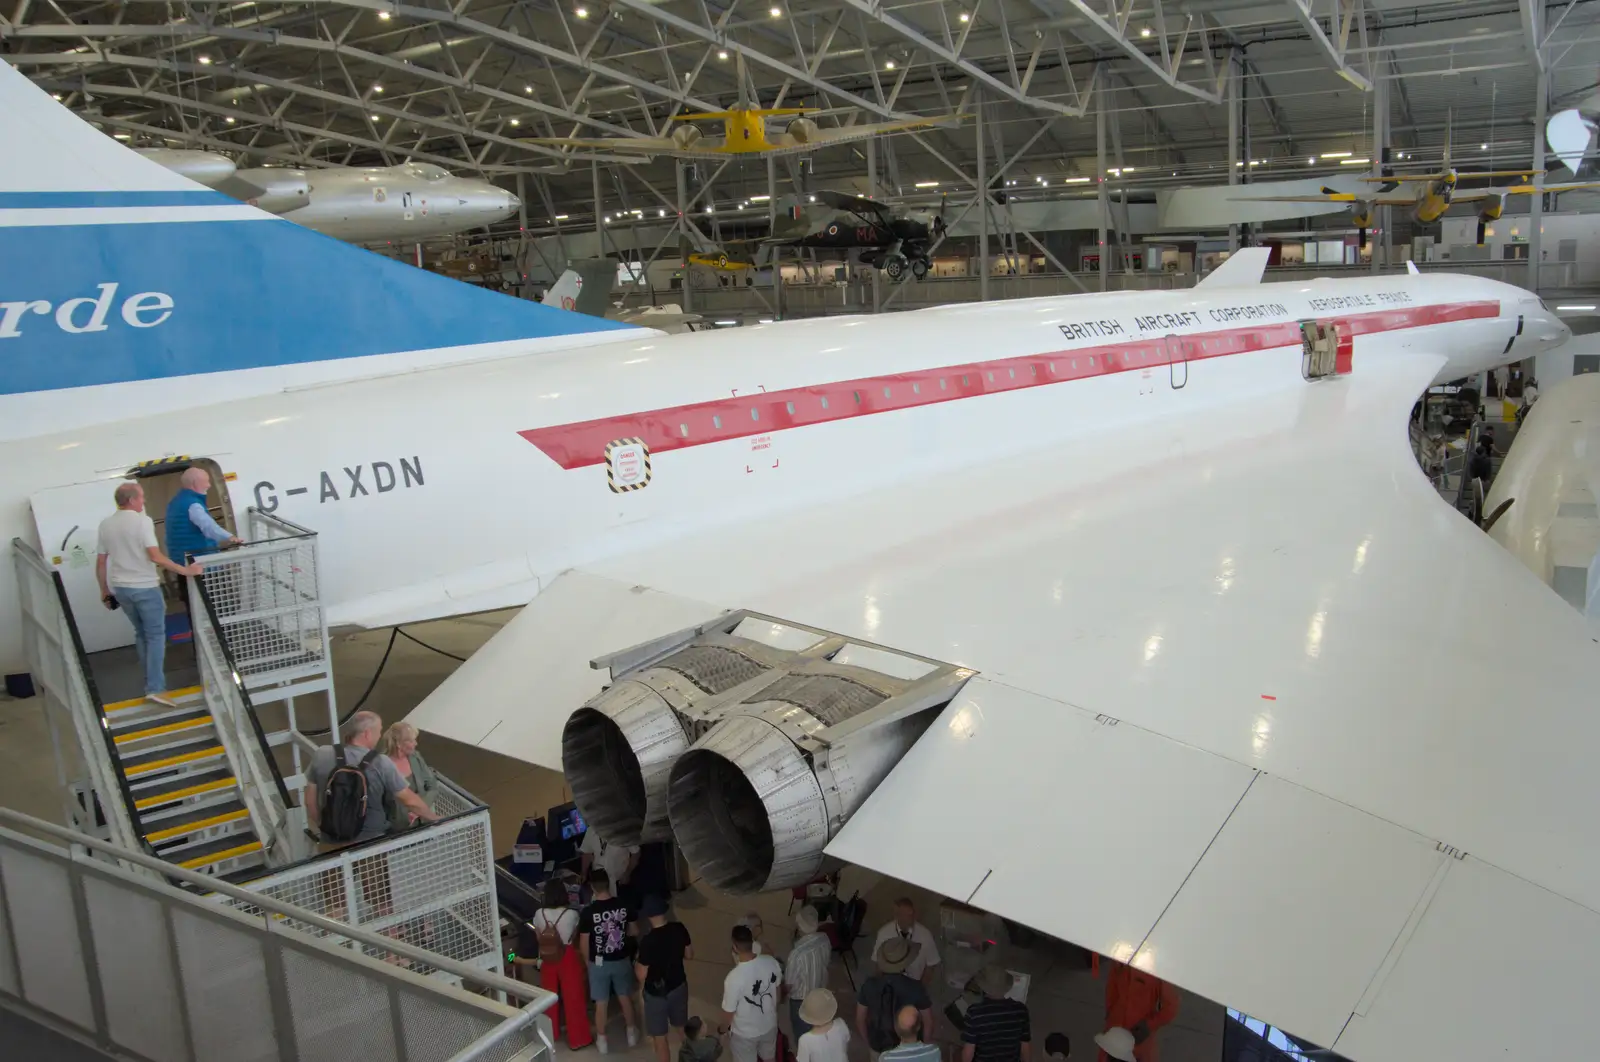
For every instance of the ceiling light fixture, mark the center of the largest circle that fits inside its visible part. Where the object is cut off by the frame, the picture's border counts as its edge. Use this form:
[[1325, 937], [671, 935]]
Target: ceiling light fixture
[[1311, 161], [516, 121], [377, 89], [56, 96], [561, 217], [927, 184], [1483, 147], [1584, 308], [581, 11], [383, 16], [1354, 162], [230, 121], [776, 12], [1334, 155], [964, 17], [376, 117], [527, 90], [1145, 32], [889, 65], [760, 198], [205, 60]]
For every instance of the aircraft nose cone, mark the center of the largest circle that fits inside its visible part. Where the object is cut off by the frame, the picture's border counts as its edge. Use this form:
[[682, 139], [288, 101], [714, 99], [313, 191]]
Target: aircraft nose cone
[[512, 202]]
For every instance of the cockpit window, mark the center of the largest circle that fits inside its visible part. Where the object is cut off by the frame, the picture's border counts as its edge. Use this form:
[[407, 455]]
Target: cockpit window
[[427, 171]]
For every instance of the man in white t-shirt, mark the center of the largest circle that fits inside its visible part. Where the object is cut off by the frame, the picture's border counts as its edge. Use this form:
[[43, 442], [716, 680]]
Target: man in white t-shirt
[[125, 565], [907, 928], [750, 1001]]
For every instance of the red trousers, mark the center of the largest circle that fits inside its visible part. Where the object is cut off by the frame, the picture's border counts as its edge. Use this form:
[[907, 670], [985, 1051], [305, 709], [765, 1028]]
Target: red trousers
[[566, 978]]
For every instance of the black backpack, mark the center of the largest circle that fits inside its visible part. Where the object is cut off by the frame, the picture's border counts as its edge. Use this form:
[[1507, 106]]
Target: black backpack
[[344, 797], [881, 1034]]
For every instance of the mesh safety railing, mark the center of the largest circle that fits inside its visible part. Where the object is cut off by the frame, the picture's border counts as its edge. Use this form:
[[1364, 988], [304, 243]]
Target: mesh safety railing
[[127, 961], [431, 886], [266, 602]]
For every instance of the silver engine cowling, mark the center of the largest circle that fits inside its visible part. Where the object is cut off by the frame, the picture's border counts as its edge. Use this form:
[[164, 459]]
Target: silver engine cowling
[[686, 136], [618, 749], [804, 130], [750, 740]]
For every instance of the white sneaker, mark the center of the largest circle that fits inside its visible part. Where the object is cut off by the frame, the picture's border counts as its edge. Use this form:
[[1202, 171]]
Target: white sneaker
[[161, 698], [600, 1042], [633, 1036]]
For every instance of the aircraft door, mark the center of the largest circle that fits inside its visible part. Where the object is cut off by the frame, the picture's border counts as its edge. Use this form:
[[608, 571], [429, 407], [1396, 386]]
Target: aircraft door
[[1177, 361], [67, 520]]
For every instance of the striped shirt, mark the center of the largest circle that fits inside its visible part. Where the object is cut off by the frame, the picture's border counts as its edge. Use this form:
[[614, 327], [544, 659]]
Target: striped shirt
[[807, 968], [997, 1028], [914, 1052]]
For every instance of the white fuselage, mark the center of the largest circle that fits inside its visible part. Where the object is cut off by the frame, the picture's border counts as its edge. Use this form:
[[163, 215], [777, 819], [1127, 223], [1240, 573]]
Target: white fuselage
[[469, 486], [396, 204]]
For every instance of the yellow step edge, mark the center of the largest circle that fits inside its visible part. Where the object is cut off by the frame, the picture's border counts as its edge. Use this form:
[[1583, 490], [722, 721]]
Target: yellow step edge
[[140, 702], [169, 728], [196, 827], [179, 794], [218, 857], [173, 761]]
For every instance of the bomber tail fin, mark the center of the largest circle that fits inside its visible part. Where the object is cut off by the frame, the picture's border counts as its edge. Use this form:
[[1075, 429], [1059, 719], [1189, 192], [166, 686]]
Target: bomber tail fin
[[118, 275]]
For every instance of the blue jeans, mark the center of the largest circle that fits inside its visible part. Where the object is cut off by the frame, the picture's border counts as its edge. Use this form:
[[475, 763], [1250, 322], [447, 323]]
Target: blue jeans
[[147, 611]]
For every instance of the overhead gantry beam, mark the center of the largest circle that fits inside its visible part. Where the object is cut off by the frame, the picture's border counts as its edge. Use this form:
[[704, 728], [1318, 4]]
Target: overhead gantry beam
[[1016, 89], [1173, 35], [1344, 17]]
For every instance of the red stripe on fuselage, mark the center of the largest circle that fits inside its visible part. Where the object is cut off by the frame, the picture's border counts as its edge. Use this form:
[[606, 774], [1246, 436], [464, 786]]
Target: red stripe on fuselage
[[583, 443]]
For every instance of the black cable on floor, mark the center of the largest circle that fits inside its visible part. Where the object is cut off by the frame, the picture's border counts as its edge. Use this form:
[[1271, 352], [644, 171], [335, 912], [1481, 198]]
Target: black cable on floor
[[376, 675], [412, 637]]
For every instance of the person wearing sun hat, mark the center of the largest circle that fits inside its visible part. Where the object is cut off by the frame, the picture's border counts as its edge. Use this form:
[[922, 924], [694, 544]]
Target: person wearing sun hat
[[807, 966], [828, 1039], [883, 994], [998, 1028]]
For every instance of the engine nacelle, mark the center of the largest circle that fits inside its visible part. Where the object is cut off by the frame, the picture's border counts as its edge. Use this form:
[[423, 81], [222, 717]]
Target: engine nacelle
[[749, 740], [686, 136], [804, 130]]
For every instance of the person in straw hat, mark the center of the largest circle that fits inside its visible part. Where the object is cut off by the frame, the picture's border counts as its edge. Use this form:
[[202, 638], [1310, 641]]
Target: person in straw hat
[[807, 966], [998, 1028], [829, 1037], [883, 994]]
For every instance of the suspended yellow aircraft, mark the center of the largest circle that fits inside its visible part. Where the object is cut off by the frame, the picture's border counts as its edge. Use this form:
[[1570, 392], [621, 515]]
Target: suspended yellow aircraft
[[719, 261], [1428, 203], [744, 132]]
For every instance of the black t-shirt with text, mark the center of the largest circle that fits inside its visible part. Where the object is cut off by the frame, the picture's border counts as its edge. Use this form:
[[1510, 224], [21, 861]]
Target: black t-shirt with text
[[661, 953], [606, 922]]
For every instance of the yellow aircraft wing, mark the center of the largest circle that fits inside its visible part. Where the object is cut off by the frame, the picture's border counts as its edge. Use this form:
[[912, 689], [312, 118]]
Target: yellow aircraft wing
[[1518, 189], [761, 112], [1334, 197], [635, 145], [1441, 176], [788, 144]]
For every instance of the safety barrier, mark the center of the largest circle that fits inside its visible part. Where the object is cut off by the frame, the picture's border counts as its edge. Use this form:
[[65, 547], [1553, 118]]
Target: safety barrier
[[96, 945], [432, 886]]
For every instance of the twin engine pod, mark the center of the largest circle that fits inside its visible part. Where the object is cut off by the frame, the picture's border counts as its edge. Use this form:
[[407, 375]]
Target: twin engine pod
[[749, 740]]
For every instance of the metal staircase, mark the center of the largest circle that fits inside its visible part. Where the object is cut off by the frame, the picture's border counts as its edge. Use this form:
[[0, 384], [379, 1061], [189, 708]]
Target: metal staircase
[[197, 783]]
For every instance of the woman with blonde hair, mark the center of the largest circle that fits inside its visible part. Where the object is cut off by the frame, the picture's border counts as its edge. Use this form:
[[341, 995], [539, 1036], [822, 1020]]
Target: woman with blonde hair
[[400, 745]]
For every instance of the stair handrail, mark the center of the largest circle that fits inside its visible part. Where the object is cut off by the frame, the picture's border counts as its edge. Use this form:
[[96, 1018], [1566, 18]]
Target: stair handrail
[[237, 682], [81, 659], [539, 999]]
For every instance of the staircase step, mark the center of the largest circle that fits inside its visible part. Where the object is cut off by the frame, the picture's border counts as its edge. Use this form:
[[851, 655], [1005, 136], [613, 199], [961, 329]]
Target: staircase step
[[177, 850], [220, 851], [210, 784], [195, 819], [144, 729], [175, 756], [186, 693]]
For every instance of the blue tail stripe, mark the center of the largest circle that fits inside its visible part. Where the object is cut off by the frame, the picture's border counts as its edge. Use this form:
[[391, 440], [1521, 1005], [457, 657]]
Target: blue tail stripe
[[97, 304], [43, 200]]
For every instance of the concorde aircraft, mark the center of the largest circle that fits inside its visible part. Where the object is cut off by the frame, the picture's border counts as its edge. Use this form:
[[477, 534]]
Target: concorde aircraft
[[1140, 601]]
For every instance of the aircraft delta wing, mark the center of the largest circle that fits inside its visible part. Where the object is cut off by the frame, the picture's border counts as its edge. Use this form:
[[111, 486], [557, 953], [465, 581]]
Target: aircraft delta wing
[[1208, 719]]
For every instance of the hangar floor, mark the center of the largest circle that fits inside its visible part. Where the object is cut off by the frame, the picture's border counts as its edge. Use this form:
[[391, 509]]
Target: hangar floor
[[1063, 995]]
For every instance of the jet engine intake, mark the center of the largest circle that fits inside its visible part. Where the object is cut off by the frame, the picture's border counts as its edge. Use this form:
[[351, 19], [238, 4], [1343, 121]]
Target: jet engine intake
[[803, 130], [686, 136]]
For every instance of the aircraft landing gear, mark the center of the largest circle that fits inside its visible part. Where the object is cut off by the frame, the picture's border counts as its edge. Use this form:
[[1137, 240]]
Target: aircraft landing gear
[[894, 265], [919, 267]]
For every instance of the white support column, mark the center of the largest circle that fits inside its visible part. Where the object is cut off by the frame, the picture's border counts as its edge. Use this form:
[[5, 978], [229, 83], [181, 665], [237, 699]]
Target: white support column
[[1380, 144], [1100, 180], [1233, 139], [983, 202], [1541, 105], [772, 223], [599, 226], [684, 288], [870, 146]]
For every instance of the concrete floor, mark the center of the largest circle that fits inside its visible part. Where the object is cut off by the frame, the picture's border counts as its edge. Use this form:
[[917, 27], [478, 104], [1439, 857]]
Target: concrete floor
[[1064, 996]]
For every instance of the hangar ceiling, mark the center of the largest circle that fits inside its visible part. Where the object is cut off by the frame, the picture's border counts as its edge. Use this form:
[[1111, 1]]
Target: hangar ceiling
[[462, 83]]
